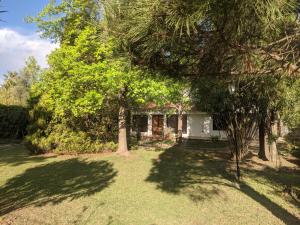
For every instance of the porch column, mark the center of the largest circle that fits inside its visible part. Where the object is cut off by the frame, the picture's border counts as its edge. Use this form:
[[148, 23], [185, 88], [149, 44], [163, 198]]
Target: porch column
[[149, 125]]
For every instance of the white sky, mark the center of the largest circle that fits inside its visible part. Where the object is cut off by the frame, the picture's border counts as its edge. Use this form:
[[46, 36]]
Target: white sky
[[15, 47]]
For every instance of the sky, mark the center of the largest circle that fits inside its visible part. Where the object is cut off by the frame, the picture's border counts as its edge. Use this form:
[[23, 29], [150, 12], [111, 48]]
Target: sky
[[18, 39]]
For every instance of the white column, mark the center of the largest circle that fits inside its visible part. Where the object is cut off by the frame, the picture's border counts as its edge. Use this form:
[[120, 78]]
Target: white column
[[149, 125], [188, 125]]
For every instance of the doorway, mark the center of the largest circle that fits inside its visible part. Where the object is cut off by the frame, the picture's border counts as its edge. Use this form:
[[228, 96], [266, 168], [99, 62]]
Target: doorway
[[157, 125]]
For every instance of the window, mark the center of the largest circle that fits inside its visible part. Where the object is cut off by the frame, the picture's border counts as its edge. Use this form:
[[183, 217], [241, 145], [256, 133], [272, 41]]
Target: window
[[140, 123], [172, 122], [218, 123]]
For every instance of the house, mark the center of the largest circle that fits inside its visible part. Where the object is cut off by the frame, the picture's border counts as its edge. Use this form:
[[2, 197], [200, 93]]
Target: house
[[164, 124]]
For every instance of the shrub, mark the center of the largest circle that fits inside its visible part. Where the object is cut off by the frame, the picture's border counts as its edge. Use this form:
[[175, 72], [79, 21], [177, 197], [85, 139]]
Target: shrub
[[215, 138], [13, 121], [63, 140], [66, 134]]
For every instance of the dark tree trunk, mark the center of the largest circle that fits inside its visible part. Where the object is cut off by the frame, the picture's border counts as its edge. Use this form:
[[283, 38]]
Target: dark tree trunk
[[180, 125], [122, 142], [237, 149], [263, 154], [237, 157]]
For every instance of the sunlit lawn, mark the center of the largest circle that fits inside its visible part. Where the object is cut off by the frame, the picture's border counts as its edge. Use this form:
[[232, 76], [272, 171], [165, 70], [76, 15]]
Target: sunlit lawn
[[175, 186]]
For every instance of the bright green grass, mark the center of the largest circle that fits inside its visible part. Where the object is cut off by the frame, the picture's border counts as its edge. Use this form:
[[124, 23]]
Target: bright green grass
[[150, 187]]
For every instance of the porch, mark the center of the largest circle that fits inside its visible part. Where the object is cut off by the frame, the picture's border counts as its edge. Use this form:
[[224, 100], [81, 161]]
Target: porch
[[158, 125]]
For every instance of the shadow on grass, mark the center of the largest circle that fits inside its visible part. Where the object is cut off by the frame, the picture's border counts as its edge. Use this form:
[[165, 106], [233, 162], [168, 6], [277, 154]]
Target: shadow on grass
[[14, 154], [200, 175], [55, 182], [180, 171]]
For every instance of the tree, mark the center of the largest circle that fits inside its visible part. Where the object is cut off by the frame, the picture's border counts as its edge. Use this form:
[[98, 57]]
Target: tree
[[276, 97], [216, 38], [233, 105], [241, 105], [91, 70], [212, 37], [15, 89]]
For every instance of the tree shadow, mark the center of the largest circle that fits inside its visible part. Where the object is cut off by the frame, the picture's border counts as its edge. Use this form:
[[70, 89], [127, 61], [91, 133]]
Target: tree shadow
[[274, 208], [15, 154], [184, 171], [55, 182], [278, 180], [200, 174]]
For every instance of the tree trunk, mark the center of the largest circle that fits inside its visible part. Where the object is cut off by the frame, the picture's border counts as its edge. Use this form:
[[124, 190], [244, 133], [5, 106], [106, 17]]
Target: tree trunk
[[122, 142], [180, 123], [263, 153], [237, 158], [237, 149], [272, 140]]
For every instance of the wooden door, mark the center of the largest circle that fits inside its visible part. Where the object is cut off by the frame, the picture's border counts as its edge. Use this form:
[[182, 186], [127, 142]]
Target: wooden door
[[157, 125]]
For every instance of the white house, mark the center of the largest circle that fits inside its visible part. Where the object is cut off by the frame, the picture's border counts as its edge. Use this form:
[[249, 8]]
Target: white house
[[196, 125]]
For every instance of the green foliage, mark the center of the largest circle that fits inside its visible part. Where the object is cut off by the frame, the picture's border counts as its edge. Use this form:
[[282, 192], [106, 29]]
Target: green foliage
[[251, 100], [88, 134], [62, 21], [291, 113], [63, 140], [13, 121], [15, 89], [211, 37], [86, 75]]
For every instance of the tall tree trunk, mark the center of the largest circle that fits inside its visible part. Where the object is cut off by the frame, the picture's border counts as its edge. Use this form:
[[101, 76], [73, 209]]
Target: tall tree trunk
[[263, 152], [122, 143], [237, 149], [272, 140], [180, 124]]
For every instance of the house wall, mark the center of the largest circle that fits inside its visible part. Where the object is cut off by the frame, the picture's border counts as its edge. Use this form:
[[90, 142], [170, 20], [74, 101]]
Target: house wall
[[199, 126]]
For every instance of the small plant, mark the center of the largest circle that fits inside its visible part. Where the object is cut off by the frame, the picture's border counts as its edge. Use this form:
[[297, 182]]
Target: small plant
[[169, 133], [215, 138]]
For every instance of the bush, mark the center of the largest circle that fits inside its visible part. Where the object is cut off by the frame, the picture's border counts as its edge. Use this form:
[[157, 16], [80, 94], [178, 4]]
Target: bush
[[13, 121], [63, 140], [65, 134], [215, 138]]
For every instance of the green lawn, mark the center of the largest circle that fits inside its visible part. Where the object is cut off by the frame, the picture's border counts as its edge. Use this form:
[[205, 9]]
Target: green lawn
[[176, 186]]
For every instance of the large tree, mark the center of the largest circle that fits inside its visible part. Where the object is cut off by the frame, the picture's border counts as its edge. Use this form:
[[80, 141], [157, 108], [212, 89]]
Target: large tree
[[212, 38], [92, 68]]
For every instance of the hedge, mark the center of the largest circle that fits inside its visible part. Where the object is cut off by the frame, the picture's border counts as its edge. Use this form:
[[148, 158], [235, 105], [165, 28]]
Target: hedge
[[13, 121]]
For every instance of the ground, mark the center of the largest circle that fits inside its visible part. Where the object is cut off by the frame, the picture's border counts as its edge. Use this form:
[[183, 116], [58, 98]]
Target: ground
[[191, 184]]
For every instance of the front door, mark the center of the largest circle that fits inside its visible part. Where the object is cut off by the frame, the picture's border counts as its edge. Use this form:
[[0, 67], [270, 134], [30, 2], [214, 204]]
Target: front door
[[157, 125]]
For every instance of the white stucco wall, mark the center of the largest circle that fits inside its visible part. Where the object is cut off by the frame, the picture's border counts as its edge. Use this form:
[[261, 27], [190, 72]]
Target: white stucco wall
[[200, 125]]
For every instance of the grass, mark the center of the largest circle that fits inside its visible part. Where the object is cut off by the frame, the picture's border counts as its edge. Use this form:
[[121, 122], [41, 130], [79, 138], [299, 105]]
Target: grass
[[186, 185]]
